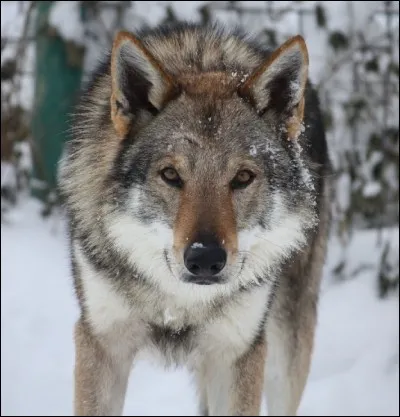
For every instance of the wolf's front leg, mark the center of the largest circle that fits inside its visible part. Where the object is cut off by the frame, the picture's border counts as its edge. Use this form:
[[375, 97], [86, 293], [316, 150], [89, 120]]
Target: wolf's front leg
[[235, 389], [289, 350], [101, 377]]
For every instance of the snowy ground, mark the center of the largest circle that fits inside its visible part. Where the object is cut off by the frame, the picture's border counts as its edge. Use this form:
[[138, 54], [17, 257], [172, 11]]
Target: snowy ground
[[354, 372]]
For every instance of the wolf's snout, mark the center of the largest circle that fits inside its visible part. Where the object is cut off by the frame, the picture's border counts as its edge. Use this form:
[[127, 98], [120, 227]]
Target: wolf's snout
[[205, 260]]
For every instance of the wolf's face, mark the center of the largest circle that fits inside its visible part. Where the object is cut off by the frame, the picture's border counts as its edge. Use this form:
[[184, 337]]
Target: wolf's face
[[211, 195]]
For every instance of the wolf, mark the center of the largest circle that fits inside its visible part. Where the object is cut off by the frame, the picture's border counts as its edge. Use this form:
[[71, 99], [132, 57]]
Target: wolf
[[196, 188]]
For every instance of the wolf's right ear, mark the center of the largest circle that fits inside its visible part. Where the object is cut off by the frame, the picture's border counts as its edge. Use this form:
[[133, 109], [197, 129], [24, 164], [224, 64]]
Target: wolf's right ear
[[138, 82]]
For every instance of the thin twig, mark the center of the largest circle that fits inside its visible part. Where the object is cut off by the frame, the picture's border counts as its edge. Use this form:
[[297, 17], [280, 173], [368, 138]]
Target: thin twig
[[21, 51]]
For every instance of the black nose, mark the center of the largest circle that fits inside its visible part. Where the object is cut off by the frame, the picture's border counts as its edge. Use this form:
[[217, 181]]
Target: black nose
[[205, 259]]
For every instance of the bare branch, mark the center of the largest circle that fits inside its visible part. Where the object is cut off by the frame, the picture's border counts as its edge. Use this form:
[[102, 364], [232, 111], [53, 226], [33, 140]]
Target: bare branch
[[20, 52], [344, 59]]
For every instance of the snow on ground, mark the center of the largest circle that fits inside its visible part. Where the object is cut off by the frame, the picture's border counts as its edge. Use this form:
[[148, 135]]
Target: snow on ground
[[354, 370]]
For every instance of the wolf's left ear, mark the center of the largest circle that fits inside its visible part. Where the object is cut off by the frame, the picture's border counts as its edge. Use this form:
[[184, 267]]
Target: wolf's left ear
[[279, 84], [139, 82]]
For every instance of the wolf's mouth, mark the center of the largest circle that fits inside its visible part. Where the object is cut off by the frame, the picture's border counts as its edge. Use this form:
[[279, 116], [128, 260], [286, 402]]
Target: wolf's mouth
[[202, 280]]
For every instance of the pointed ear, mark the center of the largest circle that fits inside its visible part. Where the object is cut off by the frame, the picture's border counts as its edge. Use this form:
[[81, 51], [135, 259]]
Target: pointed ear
[[139, 82], [279, 84]]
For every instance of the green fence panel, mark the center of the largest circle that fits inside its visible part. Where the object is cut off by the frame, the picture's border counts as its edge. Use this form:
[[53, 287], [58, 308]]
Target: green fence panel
[[58, 75]]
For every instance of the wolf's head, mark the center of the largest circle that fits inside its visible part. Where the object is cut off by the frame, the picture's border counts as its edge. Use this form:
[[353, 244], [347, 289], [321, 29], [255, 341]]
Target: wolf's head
[[209, 189]]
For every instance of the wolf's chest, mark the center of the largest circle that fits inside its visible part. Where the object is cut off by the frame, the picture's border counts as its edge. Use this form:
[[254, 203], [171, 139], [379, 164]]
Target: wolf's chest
[[171, 340]]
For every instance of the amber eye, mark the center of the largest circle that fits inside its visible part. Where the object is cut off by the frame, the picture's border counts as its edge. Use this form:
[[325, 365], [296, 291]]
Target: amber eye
[[171, 177], [242, 179]]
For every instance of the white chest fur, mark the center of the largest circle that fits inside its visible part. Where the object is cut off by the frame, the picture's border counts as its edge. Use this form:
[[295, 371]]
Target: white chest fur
[[233, 326]]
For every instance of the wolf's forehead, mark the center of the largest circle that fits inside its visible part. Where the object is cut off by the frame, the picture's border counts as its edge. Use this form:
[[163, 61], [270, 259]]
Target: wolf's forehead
[[213, 85], [211, 130]]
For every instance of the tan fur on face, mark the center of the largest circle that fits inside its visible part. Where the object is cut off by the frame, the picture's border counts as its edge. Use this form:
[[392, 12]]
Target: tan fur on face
[[196, 214], [212, 84]]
